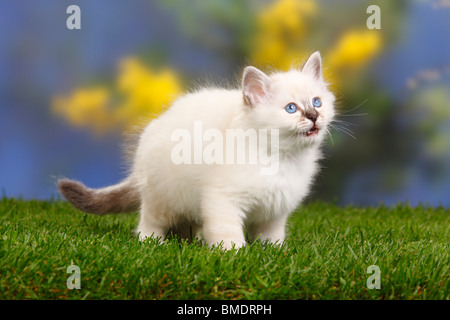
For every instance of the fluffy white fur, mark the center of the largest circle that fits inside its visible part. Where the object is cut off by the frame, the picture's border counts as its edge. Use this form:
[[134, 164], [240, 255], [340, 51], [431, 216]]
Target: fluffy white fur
[[217, 201]]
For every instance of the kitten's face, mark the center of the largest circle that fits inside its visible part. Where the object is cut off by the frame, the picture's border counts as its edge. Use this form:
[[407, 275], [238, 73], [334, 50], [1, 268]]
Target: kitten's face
[[297, 103]]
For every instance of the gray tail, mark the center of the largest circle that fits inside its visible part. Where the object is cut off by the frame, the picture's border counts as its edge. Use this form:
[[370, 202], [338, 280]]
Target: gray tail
[[119, 198]]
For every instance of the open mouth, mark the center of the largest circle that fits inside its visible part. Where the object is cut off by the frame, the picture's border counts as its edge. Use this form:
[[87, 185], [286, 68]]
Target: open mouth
[[314, 130]]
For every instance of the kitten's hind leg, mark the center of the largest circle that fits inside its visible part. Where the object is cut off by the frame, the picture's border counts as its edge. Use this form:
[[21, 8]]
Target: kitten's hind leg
[[222, 222], [272, 231], [151, 223]]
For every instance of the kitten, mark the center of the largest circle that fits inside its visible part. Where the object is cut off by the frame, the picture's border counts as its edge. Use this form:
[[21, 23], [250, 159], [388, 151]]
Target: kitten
[[175, 185]]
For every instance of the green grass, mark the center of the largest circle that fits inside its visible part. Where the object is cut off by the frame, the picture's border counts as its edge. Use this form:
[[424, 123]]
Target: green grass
[[325, 257]]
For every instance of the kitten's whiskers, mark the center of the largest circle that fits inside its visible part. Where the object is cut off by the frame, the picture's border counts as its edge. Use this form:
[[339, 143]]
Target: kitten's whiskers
[[329, 133], [344, 130]]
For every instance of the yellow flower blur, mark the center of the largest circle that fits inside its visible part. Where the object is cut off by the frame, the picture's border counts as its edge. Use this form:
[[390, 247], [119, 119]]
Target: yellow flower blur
[[143, 93], [281, 28], [354, 49], [283, 37], [85, 107], [146, 92]]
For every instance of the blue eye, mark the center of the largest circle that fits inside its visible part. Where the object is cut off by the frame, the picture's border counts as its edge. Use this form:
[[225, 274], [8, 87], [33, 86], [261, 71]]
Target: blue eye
[[291, 108], [316, 102]]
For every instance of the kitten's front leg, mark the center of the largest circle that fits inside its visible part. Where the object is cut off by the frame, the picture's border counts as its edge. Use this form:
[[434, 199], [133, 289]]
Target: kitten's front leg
[[272, 230], [222, 222]]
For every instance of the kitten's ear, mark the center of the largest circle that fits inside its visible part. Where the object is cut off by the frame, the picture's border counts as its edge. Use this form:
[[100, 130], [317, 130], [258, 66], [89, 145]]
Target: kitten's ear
[[255, 85], [313, 66]]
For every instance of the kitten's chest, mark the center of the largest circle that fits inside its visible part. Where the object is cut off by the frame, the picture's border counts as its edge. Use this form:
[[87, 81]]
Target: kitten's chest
[[282, 192]]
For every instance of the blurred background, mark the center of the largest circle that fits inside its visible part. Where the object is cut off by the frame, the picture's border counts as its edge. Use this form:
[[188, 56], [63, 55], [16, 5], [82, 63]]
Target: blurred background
[[68, 96]]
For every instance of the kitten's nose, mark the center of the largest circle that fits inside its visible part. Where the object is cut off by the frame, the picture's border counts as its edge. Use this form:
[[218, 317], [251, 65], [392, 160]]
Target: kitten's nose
[[312, 115]]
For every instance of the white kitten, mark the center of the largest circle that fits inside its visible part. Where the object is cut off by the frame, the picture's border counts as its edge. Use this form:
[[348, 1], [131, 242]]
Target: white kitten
[[176, 185]]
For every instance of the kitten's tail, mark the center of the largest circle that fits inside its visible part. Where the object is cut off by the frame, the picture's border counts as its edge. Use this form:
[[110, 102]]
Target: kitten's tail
[[119, 198]]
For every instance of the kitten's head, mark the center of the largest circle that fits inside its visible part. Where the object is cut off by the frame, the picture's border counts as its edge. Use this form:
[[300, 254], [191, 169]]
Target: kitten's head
[[296, 102]]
